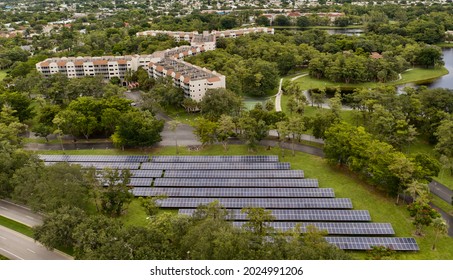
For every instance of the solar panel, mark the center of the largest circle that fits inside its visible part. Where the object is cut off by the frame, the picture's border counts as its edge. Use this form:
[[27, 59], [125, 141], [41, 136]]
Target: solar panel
[[334, 228], [134, 182], [301, 215], [103, 165], [238, 192], [152, 173], [223, 182], [296, 174], [366, 243], [270, 203], [217, 166], [93, 158], [214, 159]]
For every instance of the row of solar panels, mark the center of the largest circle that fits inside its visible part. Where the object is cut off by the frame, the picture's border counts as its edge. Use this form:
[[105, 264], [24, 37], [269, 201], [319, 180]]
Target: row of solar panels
[[221, 183], [184, 159], [182, 166], [333, 228], [268, 203], [303, 215], [367, 243], [234, 192]]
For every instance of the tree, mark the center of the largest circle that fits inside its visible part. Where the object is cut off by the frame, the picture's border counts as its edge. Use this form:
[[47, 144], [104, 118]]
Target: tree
[[422, 214], [429, 57], [303, 21], [137, 129], [281, 20], [444, 135], [115, 192], [262, 21], [252, 131], [206, 131], [151, 204], [219, 102], [296, 127], [47, 188], [225, 128], [58, 227], [173, 126], [440, 227], [283, 132]]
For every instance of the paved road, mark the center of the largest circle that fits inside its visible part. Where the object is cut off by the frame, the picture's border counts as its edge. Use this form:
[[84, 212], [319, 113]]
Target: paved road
[[278, 98], [441, 191], [184, 134], [16, 246], [19, 214]]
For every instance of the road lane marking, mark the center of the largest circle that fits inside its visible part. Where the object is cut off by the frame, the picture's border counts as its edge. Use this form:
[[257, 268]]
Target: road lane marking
[[12, 254], [4, 208], [31, 251], [2, 237], [31, 218]]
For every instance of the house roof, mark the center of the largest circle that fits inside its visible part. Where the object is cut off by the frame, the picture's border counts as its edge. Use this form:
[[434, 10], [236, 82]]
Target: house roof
[[376, 55]]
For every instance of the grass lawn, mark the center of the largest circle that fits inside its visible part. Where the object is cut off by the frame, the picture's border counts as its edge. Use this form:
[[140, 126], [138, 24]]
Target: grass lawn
[[415, 75], [182, 116], [381, 207], [3, 258], [21, 228], [2, 74]]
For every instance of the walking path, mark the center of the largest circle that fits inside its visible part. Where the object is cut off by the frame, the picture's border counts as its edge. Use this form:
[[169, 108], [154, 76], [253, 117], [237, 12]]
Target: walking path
[[278, 98]]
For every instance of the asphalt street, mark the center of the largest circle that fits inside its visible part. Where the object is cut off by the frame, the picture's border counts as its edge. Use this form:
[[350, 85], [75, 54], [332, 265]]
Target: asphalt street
[[19, 214], [16, 246]]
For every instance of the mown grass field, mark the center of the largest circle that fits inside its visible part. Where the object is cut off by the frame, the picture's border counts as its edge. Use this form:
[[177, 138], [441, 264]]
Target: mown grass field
[[381, 207]]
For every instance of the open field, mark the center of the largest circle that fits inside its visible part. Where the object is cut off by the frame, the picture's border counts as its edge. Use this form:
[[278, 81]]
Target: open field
[[382, 208]]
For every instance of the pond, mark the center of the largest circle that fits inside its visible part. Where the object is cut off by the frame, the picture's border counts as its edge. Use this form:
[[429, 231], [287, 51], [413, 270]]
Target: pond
[[447, 80]]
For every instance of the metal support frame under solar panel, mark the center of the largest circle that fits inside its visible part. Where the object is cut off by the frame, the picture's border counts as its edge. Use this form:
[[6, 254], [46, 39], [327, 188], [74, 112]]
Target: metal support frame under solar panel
[[269, 203], [235, 182], [235, 192], [332, 228], [212, 159], [294, 174], [300, 215], [366, 243], [217, 166]]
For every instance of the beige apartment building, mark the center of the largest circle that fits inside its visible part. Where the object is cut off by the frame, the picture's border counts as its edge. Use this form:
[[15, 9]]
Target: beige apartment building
[[194, 80]]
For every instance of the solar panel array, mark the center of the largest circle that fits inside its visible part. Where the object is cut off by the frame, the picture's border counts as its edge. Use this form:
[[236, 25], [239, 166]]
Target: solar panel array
[[366, 243], [270, 203], [234, 192], [237, 182], [234, 174], [217, 166], [302, 215], [222, 182], [333, 228], [215, 159], [103, 165], [88, 158]]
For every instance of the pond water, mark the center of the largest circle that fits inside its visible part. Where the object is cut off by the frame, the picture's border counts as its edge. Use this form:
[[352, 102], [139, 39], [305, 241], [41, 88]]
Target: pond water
[[349, 32], [447, 80]]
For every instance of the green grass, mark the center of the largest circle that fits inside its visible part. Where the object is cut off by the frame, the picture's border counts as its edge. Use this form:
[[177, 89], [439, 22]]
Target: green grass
[[21, 228], [182, 116], [135, 215], [412, 76], [442, 204], [2, 74], [3, 258]]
